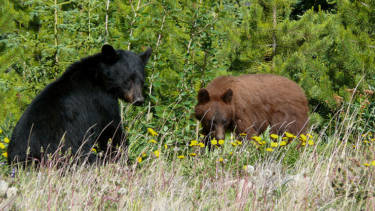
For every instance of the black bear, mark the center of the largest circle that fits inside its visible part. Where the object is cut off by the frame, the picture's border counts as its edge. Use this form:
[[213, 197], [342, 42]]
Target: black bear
[[81, 107], [250, 103]]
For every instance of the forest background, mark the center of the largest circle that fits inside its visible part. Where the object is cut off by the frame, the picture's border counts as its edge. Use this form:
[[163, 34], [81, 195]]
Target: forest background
[[326, 46]]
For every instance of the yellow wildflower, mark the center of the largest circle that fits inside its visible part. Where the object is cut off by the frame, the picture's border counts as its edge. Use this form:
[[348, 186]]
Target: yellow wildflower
[[243, 134], [139, 159], [221, 141], [285, 138], [256, 138], [221, 159], [213, 141], [274, 144], [6, 140], [366, 142], [289, 135], [230, 153], [239, 142], [144, 154], [244, 167], [156, 153], [373, 163], [263, 143], [269, 149], [310, 142], [201, 144], [2, 146], [193, 154], [153, 141], [282, 143], [366, 164], [194, 143], [5, 154], [309, 135], [303, 143], [165, 146], [274, 136], [303, 137], [181, 156], [93, 150], [152, 132], [233, 143]]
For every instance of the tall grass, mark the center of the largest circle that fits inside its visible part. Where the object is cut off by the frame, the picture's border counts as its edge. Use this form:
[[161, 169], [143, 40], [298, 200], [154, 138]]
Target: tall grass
[[332, 173]]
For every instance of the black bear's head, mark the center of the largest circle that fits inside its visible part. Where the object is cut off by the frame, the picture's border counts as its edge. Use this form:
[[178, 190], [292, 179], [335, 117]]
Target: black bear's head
[[123, 73]]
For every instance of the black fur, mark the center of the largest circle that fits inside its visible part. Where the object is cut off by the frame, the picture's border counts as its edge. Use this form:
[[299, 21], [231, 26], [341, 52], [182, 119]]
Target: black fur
[[81, 107]]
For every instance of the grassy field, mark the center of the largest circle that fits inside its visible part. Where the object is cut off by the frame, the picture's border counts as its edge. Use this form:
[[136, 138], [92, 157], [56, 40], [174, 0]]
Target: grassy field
[[316, 171]]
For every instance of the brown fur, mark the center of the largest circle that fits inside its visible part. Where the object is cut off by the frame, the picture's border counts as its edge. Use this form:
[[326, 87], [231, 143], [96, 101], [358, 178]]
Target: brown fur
[[251, 103]]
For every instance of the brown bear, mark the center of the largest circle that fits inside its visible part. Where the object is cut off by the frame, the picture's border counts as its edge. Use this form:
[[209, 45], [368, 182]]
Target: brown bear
[[249, 104]]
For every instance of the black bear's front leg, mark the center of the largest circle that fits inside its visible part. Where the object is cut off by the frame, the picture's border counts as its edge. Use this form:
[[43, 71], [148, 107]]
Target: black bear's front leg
[[110, 139]]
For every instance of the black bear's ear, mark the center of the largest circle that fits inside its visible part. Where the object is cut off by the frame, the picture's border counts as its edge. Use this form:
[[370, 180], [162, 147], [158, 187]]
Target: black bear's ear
[[203, 96], [109, 53], [146, 55], [227, 96]]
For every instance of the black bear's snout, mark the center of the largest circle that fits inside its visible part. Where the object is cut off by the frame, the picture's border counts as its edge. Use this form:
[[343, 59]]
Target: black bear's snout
[[139, 101]]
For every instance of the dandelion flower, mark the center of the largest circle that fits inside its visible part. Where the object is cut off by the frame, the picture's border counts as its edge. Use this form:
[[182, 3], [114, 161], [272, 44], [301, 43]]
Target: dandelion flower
[[156, 153], [5, 154], [282, 143], [193, 143], [243, 134], [139, 159], [2, 146], [239, 142], [193, 154], [213, 141], [221, 159], [165, 146], [274, 136], [6, 140], [153, 141], [310, 142], [221, 141], [93, 150], [269, 149], [263, 142], [303, 143], [201, 144], [303, 137], [274, 144], [289, 135], [181, 156], [152, 132], [256, 138], [366, 164], [373, 163]]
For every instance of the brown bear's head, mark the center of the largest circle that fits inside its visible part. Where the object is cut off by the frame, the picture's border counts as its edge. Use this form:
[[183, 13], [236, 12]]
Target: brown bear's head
[[215, 112]]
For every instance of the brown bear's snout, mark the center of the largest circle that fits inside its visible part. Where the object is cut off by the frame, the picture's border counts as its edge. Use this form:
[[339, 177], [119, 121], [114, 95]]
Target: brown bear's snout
[[219, 132]]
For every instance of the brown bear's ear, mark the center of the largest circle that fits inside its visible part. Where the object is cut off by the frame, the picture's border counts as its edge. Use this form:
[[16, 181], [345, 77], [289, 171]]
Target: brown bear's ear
[[203, 96], [227, 96]]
